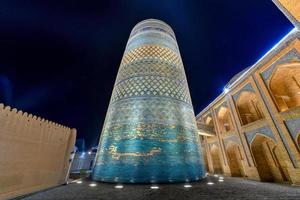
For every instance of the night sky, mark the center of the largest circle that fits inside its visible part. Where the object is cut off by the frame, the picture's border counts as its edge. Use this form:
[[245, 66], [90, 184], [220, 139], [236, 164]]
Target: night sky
[[59, 59]]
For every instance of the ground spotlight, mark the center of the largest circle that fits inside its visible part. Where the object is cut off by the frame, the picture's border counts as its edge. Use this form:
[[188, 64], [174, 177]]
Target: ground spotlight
[[92, 184], [154, 187], [119, 186], [78, 182], [187, 186], [216, 175], [210, 183], [221, 180]]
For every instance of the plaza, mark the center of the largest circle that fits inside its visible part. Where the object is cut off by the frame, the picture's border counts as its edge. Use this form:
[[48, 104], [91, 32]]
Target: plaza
[[230, 188]]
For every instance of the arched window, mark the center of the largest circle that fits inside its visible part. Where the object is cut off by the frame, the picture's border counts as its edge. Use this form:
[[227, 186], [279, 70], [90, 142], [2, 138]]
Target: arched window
[[209, 123], [248, 107], [225, 119], [285, 86]]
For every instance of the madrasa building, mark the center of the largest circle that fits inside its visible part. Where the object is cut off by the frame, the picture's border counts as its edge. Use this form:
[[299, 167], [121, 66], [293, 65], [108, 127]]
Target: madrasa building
[[252, 129]]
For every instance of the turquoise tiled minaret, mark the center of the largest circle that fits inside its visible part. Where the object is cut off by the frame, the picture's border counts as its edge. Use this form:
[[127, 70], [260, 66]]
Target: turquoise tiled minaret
[[150, 134]]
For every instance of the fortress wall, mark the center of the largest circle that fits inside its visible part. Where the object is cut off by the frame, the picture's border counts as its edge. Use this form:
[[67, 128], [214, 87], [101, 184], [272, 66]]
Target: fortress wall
[[34, 152]]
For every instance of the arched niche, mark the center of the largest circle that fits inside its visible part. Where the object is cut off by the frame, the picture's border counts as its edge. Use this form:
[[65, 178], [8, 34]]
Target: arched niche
[[224, 119], [209, 120], [210, 123], [285, 86], [234, 159], [268, 158], [249, 107], [216, 161]]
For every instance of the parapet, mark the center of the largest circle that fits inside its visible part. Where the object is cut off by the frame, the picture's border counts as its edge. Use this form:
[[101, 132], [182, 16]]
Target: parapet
[[14, 113]]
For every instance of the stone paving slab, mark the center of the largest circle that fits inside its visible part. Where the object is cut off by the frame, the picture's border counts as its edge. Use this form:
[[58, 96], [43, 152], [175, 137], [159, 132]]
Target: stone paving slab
[[231, 188]]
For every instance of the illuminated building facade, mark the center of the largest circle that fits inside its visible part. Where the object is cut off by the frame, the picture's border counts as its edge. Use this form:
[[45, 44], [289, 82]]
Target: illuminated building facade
[[253, 128], [150, 132]]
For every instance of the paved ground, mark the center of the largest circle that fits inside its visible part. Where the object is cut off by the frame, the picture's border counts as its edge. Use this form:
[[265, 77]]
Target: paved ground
[[231, 188]]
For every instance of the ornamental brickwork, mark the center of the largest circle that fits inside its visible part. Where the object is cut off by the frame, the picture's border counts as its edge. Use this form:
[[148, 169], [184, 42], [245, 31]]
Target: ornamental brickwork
[[256, 120]]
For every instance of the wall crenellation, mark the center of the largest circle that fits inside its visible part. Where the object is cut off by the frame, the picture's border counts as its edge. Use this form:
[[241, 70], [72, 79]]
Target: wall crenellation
[[15, 114]]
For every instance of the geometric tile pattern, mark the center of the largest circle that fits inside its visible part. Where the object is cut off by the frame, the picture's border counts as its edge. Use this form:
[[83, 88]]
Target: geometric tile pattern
[[151, 86], [150, 67], [151, 51], [150, 132], [266, 130]]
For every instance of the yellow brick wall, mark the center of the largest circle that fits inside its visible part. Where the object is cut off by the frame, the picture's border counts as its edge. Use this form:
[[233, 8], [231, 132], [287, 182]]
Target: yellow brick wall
[[275, 154], [34, 153]]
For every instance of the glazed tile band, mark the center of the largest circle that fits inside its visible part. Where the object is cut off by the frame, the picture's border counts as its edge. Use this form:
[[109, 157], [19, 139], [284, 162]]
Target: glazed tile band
[[150, 133]]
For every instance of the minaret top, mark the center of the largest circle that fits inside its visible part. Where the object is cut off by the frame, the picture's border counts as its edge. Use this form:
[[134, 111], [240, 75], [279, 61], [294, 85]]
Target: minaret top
[[152, 25]]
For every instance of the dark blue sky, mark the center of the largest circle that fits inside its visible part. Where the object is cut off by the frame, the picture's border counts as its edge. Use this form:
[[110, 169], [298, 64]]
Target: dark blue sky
[[59, 59]]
